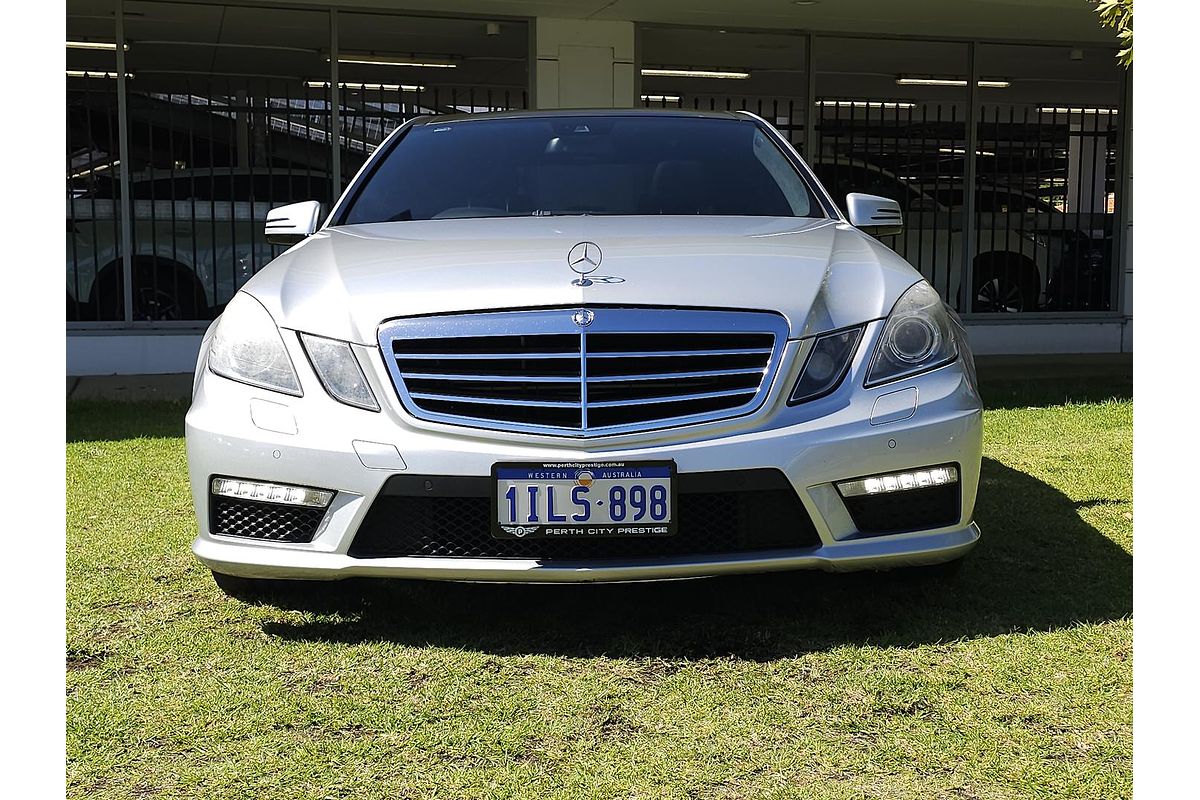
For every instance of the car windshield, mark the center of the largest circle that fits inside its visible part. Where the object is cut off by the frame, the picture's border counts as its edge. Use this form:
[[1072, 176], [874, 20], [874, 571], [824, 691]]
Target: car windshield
[[550, 166]]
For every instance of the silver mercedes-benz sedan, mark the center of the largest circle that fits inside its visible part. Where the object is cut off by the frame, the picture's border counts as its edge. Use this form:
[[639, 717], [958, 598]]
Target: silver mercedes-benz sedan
[[583, 346]]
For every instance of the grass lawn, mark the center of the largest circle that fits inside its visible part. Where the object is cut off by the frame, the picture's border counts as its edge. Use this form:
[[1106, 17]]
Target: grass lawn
[[1012, 680]]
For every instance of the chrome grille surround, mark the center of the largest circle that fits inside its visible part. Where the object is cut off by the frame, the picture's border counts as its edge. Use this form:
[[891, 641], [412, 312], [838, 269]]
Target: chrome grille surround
[[627, 370]]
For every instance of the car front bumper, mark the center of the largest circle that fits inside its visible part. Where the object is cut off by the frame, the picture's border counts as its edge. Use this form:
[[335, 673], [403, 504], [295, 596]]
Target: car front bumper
[[240, 431]]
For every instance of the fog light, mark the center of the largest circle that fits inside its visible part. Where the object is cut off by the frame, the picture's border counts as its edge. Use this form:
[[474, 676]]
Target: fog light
[[900, 481], [272, 492]]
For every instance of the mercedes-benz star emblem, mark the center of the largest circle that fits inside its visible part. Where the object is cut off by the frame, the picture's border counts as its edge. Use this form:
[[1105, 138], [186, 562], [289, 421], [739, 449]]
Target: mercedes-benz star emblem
[[583, 317], [584, 258]]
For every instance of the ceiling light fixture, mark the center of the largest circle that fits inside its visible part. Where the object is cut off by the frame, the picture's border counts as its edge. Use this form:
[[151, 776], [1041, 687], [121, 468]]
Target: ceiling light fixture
[[80, 45], [661, 98], [958, 151], [83, 73], [905, 80], [396, 61], [381, 87], [1074, 110], [696, 73], [83, 173], [866, 104]]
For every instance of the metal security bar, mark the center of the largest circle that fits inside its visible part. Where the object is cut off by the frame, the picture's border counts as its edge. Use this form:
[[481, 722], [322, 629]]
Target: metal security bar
[[212, 157], [224, 119], [1045, 191], [370, 112], [913, 153], [1045, 209], [94, 288], [785, 113]]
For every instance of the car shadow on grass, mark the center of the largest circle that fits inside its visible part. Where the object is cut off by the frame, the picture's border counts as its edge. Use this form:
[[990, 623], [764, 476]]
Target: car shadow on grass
[[1039, 566]]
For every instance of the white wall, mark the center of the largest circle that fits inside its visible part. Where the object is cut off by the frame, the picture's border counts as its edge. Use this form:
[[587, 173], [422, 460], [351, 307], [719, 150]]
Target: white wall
[[131, 353], [584, 63], [1028, 337]]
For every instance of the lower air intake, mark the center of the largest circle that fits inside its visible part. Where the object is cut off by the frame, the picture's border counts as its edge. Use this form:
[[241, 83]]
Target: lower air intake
[[719, 512], [254, 519], [910, 510]]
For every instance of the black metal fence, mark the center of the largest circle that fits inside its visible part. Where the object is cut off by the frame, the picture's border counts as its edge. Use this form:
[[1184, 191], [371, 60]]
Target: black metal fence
[[208, 160], [371, 112], [229, 111], [1045, 191]]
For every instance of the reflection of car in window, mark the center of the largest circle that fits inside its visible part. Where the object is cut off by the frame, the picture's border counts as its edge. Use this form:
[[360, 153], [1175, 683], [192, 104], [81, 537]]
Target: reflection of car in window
[[1031, 255], [197, 237]]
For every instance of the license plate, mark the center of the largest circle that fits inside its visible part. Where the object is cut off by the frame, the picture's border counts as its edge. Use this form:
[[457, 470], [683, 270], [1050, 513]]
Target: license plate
[[580, 500]]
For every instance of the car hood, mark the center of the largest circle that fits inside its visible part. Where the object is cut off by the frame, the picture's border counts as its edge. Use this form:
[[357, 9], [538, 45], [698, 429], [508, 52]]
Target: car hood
[[820, 274]]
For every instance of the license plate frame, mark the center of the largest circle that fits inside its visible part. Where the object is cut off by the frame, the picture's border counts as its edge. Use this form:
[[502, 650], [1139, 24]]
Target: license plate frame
[[572, 529]]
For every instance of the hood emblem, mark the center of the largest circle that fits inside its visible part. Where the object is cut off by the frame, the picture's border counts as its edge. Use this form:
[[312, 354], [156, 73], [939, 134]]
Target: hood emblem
[[584, 258], [583, 317]]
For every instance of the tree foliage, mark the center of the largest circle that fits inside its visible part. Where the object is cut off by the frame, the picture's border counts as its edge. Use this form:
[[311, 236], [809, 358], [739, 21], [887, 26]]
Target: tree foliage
[[1118, 14]]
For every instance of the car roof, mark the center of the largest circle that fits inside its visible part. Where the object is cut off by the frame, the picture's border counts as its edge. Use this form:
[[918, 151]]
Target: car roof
[[440, 119]]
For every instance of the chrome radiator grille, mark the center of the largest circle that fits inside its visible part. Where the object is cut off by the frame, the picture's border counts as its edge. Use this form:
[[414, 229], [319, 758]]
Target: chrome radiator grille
[[624, 370]]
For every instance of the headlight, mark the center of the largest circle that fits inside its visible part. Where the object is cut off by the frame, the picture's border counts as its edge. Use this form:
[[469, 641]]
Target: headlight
[[826, 365], [919, 336], [247, 347], [340, 373]]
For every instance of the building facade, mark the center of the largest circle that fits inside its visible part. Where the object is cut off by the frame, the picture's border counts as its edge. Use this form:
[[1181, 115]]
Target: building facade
[[1003, 129]]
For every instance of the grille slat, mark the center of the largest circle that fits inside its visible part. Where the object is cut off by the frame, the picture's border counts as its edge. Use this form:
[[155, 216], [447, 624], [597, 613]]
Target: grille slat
[[679, 398], [508, 356], [494, 401], [660, 376], [732, 351], [416, 376], [629, 369]]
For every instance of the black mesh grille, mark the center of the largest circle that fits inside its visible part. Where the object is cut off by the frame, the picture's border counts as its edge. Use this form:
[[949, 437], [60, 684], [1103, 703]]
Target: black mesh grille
[[912, 510], [257, 520], [727, 512]]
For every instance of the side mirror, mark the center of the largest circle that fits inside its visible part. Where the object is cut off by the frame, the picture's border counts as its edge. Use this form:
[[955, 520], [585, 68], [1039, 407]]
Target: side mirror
[[878, 216], [287, 225]]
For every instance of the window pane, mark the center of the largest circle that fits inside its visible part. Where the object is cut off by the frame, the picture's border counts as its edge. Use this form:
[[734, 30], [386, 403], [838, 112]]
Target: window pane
[[880, 133], [223, 125], [627, 164], [1047, 180], [94, 283]]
